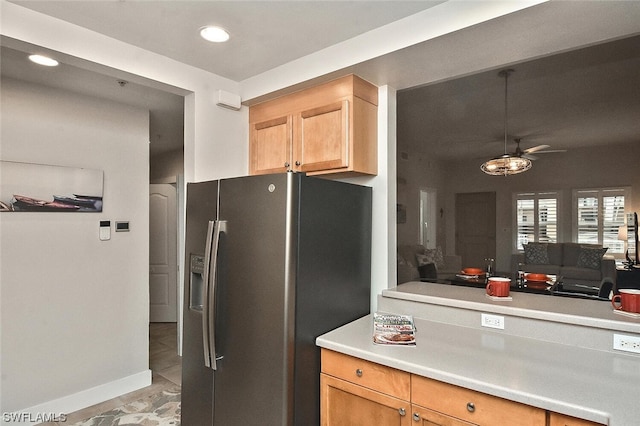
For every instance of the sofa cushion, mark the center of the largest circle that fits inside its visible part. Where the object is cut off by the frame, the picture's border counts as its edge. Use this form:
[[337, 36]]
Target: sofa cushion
[[590, 257], [428, 270], [578, 273], [407, 254], [570, 254], [431, 256], [536, 253], [572, 251], [555, 251], [542, 269], [407, 273]]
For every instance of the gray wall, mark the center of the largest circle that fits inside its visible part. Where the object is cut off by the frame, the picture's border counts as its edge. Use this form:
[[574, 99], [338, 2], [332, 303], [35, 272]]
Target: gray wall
[[605, 166], [74, 308]]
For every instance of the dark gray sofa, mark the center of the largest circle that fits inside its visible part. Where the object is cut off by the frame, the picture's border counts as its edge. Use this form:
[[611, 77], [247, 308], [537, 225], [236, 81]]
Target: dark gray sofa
[[579, 265]]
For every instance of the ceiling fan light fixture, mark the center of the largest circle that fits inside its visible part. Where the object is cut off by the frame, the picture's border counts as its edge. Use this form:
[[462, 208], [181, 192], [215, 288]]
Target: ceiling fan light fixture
[[506, 165]]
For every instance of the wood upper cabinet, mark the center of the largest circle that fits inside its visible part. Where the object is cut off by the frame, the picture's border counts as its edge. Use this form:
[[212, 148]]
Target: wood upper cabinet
[[271, 145], [331, 128]]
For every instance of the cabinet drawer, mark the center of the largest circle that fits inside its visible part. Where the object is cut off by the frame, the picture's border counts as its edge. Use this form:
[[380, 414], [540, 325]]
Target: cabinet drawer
[[425, 417], [472, 406], [556, 419], [368, 374]]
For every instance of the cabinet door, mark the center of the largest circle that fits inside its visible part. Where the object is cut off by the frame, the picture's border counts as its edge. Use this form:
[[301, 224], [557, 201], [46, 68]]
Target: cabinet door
[[556, 419], [270, 146], [322, 138], [424, 417], [345, 404]]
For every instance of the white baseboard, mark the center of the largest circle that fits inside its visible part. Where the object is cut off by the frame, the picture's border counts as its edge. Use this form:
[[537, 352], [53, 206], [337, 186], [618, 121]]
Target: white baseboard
[[89, 397]]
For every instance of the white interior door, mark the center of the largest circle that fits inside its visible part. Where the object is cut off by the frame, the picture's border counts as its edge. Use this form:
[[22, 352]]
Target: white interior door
[[163, 282], [428, 217]]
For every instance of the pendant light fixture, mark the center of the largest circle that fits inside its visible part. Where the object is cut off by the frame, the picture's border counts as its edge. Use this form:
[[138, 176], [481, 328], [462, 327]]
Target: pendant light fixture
[[506, 164]]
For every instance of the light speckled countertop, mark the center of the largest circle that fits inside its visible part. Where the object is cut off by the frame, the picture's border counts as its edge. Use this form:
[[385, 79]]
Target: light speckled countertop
[[589, 313], [597, 385]]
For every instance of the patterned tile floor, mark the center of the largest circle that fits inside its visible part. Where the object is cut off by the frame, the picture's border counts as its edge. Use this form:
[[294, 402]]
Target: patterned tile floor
[[164, 362]]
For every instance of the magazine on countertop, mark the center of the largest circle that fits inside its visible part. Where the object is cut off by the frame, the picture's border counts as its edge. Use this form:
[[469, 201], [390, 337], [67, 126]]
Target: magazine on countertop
[[393, 329]]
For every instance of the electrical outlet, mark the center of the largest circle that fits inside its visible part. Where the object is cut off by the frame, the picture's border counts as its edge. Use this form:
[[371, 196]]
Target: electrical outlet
[[492, 321], [625, 343]]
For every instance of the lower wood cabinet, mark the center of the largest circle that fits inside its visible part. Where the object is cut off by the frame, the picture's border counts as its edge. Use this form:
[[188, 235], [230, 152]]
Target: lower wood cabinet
[[356, 392], [425, 417], [346, 404], [556, 419], [471, 406]]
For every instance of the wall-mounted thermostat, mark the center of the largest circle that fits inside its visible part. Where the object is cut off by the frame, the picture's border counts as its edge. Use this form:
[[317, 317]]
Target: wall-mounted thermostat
[[122, 226], [105, 230]]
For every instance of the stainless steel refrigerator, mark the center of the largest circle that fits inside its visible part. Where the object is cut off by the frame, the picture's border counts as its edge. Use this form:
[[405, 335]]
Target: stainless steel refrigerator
[[274, 261]]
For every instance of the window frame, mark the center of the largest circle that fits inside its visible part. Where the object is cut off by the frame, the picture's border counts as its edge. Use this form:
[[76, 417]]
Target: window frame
[[536, 196], [625, 191]]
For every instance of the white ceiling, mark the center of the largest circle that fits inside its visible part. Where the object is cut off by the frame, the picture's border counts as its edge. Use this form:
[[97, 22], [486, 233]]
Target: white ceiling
[[573, 99], [264, 34]]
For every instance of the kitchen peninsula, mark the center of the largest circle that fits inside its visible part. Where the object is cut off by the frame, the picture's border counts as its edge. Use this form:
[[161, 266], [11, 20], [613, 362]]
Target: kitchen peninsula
[[553, 363]]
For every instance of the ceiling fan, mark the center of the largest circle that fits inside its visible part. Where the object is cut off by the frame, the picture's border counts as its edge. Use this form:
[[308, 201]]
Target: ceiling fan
[[506, 164], [540, 149]]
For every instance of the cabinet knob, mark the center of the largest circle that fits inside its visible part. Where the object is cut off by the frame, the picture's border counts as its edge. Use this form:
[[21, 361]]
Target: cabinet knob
[[359, 372], [471, 407], [416, 417], [402, 411], [286, 164], [297, 163]]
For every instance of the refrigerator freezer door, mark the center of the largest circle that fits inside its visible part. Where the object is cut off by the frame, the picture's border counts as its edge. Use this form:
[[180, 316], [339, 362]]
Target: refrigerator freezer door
[[197, 380], [254, 304]]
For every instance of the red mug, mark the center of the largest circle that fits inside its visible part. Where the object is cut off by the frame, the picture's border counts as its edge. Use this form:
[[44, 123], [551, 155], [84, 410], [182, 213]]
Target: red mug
[[629, 299], [498, 287]]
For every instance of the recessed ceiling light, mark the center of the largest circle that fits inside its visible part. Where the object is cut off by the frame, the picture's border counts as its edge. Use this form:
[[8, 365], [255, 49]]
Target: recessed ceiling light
[[43, 60], [215, 34]]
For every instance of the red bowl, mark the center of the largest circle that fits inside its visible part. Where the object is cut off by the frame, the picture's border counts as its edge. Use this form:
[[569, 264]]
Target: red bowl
[[536, 277], [473, 271]]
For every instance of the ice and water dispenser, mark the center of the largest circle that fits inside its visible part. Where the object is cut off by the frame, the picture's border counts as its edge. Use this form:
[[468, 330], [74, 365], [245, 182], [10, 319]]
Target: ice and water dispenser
[[196, 282]]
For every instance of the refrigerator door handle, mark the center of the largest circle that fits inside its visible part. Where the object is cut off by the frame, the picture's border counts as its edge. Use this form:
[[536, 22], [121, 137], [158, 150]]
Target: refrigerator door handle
[[205, 294], [211, 359]]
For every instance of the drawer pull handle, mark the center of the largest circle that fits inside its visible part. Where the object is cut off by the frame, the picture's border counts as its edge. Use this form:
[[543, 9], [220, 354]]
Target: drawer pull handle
[[359, 372], [402, 412], [416, 417], [471, 407]]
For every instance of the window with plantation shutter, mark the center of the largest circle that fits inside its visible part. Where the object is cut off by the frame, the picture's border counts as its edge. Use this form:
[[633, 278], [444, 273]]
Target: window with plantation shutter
[[599, 213], [536, 218]]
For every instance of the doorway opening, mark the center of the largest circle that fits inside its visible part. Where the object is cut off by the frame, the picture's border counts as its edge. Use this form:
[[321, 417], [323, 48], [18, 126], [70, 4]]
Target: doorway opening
[[428, 217]]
